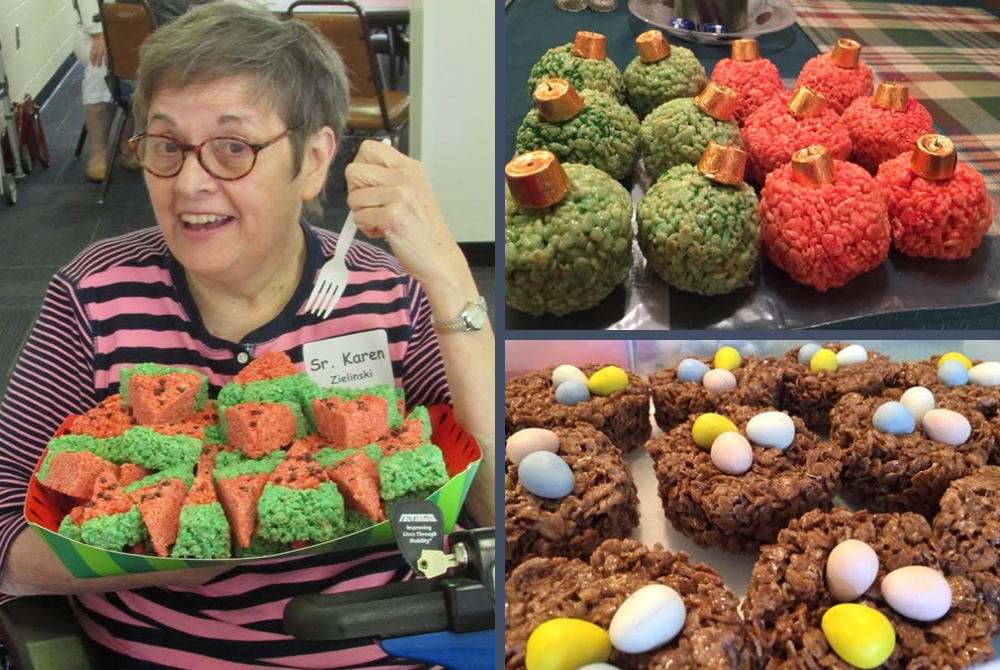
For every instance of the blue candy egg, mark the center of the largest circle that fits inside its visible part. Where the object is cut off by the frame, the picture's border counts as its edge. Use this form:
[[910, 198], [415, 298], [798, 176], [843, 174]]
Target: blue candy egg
[[572, 392], [681, 24], [807, 351], [894, 418], [545, 474], [691, 370], [953, 373]]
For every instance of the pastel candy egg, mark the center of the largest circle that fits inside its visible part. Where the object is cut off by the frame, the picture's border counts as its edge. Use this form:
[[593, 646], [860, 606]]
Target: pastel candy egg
[[955, 356], [546, 475], [607, 381], [530, 440], [648, 618], [851, 569], [771, 429], [807, 351], [566, 644], [824, 359], [860, 635], [894, 418], [732, 453], [947, 426], [852, 354], [727, 358], [952, 373], [985, 374], [691, 370], [565, 373], [917, 592], [709, 426], [919, 401], [572, 393], [719, 381]]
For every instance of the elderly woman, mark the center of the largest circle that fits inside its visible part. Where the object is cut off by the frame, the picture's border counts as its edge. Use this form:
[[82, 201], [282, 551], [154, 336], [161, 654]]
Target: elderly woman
[[240, 116]]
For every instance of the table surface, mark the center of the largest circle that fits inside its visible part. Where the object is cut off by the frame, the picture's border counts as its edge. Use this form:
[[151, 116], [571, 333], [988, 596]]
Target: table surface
[[950, 59]]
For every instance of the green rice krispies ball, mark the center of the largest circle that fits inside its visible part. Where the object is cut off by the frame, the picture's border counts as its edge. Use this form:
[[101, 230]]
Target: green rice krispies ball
[[605, 134], [114, 531], [412, 473], [145, 447], [600, 75], [313, 515], [69, 529], [649, 85], [678, 132], [699, 235], [153, 369], [203, 532], [571, 255]]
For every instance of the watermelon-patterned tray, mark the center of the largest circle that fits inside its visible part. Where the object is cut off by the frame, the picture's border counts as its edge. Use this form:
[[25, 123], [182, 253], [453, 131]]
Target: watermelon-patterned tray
[[44, 510]]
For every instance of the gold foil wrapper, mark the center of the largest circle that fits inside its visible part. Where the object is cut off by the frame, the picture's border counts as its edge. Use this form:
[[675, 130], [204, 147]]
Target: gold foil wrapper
[[892, 96], [652, 46], [846, 53], [745, 50], [717, 101], [812, 166], [723, 163], [557, 100], [536, 180], [806, 103], [590, 45], [934, 157]]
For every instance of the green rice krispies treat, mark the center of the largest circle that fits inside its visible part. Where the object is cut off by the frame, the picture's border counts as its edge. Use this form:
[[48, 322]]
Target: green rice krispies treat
[[232, 464], [213, 434], [597, 74], [420, 412], [203, 532], [649, 85], [315, 515], [605, 134], [115, 531], [678, 132], [183, 471], [152, 369], [145, 447], [390, 393], [571, 255], [290, 390], [412, 473], [699, 235], [355, 521], [330, 456], [260, 546], [69, 529]]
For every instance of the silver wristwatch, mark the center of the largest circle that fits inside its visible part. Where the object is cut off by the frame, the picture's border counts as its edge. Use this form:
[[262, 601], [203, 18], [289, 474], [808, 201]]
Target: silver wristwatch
[[473, 317]]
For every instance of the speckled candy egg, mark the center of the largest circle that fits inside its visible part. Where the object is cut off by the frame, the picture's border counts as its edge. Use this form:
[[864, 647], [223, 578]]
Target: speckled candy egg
[[807, 351], [919, 401], [566, 644], [771, 429], [894, 418], [860, 635], [719, 381], [546, 475], [851, 569], [952, 373], [607, 380], [732, 453], [650, 617], [852, 354], [691, 370], [917, 592], [565, 373], [530, 440], [985, 374], [572, 393], [947, 426]]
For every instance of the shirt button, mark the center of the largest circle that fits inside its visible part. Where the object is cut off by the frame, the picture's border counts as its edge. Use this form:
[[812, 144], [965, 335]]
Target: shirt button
[[242, 357]]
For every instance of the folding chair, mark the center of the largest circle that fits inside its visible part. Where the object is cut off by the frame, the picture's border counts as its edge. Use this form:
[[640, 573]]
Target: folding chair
[[374, 109]]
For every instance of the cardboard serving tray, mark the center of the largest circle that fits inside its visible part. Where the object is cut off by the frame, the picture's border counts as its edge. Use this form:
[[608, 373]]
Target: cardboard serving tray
[[44, 510]]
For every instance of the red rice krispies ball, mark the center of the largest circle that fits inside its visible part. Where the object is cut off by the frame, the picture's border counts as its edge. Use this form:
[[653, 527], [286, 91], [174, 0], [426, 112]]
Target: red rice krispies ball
[[755, 82], [840, 86], [879, 134]]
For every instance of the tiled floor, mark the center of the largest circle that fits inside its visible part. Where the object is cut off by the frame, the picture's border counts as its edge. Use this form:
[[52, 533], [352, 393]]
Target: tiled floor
[[57, 215]]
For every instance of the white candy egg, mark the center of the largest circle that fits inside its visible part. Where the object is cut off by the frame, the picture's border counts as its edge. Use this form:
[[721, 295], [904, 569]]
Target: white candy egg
[[565, 373], [919, 401], [719, 381], [851, 569], [530, 440], [650, 617], [732, 453], [771, 429], [851, 355], [985, 374], [917, 592], [947, 426]]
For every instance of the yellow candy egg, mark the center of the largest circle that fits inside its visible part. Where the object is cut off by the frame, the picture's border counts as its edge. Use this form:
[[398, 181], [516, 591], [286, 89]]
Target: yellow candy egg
[[507, 485], [566, 644], [607, 380], [709, 426], [955, 356], [727, 358], [860, 635], [824, 359]]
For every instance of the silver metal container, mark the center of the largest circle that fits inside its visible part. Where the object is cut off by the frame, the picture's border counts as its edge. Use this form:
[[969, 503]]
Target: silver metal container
[[735, 15]]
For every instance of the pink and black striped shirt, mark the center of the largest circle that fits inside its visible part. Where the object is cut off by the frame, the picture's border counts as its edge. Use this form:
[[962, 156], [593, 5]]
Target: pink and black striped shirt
[[124, 301]]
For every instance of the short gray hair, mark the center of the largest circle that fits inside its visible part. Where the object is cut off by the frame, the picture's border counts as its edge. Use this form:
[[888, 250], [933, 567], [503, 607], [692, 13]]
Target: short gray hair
[[291, 66]]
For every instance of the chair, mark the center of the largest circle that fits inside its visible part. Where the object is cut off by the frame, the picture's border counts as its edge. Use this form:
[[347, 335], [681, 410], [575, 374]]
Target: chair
[[374, 109]]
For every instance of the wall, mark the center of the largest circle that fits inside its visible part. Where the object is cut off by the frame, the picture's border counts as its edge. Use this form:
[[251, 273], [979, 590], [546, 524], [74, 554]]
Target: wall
[[453, 109], [46, 41]]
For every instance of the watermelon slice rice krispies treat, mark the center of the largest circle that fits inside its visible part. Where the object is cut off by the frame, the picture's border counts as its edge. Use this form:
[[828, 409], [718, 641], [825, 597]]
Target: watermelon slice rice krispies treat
[[408, 435], [288, 390], [153, 370], [329, 456], [129, 473], [194, 426], [203, 531], [357, 479], [160, 506], [144, 446], [163, 399], [73, 473], [271, 365], [351, 424], [299, 469], [108, 497], [257, 428], [111, 417], [239, 497], [311, 515], [414, 473], [394, 399], [114, 532]]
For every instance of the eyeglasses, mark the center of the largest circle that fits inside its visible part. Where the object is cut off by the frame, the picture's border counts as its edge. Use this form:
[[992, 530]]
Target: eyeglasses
[[226, 158]]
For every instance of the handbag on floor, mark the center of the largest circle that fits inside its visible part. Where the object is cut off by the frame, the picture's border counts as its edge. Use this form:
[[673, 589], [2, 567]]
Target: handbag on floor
[[30, 132]]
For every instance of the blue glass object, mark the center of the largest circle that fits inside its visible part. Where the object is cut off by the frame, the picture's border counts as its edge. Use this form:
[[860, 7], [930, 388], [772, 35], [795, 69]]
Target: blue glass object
[[716, 28], [682, 24]]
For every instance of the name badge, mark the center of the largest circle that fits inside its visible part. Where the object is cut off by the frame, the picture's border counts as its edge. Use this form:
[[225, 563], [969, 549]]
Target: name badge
[[357, 360]]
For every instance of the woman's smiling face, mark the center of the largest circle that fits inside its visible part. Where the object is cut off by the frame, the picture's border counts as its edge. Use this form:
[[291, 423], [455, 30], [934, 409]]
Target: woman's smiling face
[[227, 231]]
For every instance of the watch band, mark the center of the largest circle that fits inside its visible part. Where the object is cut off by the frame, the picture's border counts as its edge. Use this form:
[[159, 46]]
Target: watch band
[[473, 317]]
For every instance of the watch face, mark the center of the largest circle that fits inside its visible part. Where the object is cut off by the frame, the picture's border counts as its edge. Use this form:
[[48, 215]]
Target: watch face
[[476, 316]]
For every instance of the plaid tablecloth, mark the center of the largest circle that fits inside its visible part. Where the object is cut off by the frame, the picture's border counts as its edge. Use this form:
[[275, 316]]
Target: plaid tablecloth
[[948, 56]]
